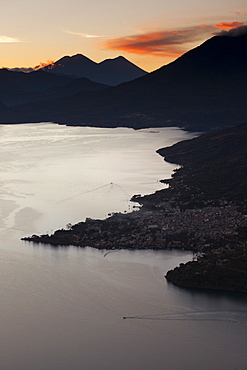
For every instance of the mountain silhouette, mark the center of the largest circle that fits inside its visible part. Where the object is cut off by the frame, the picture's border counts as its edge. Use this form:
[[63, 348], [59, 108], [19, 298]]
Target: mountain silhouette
[[202, 90], [110, 72]]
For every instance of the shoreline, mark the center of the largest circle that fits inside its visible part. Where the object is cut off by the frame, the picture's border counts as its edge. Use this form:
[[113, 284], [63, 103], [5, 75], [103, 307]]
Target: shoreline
[[225, 271], [189, 214]]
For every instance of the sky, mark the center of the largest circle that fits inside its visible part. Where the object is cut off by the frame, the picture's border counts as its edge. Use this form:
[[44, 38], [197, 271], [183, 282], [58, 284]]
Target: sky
[[148, 33]]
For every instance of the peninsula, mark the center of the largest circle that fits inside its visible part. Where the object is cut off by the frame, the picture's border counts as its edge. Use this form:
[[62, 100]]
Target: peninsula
[[203, 209]]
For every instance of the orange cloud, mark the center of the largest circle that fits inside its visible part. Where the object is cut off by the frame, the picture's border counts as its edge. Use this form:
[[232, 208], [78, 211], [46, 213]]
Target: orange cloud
[[141, 44], [160, 43], [226, 26], [171, 43], [48, 63]]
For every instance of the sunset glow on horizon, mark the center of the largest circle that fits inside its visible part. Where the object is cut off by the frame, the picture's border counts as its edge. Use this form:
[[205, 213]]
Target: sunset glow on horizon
[[148, 34]]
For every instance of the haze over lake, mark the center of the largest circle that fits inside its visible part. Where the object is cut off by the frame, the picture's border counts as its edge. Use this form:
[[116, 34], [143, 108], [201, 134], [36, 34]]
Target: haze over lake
[[63, 308]]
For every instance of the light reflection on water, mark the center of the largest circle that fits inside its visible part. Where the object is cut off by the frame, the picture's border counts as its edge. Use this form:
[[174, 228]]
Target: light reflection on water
[[60, 174], [63, 308]]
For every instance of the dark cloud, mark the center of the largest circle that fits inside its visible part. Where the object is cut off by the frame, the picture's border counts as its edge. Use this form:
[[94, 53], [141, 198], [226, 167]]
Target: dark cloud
[[21, 69], [242, 30]]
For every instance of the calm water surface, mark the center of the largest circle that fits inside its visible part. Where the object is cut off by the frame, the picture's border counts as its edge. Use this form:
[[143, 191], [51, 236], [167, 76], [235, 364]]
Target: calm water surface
[[63, 308]]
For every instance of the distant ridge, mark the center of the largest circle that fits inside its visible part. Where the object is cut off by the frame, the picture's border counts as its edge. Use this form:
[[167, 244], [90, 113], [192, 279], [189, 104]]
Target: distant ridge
[[19, 87], [34, 81], [110, 71]]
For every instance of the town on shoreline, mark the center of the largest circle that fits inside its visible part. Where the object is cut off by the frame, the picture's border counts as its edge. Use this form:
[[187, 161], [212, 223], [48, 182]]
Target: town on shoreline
[[158, 226]]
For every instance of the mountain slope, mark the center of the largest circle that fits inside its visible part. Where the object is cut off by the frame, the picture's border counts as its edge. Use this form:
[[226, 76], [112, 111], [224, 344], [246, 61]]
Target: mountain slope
[[204, 89]]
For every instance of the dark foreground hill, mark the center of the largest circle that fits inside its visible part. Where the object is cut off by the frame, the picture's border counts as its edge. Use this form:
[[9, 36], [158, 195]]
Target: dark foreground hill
[[213, 175], [215, 164], [204, 89]]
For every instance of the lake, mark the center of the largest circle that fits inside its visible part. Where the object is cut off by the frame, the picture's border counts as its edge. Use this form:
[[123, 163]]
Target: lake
[[64, 308]]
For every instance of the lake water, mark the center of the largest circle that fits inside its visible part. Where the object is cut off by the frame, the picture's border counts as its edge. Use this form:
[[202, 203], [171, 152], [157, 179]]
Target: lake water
[[63, 308]]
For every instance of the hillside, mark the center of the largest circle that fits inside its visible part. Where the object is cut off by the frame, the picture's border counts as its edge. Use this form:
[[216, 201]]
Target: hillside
[[215, 163], [213, 176]]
